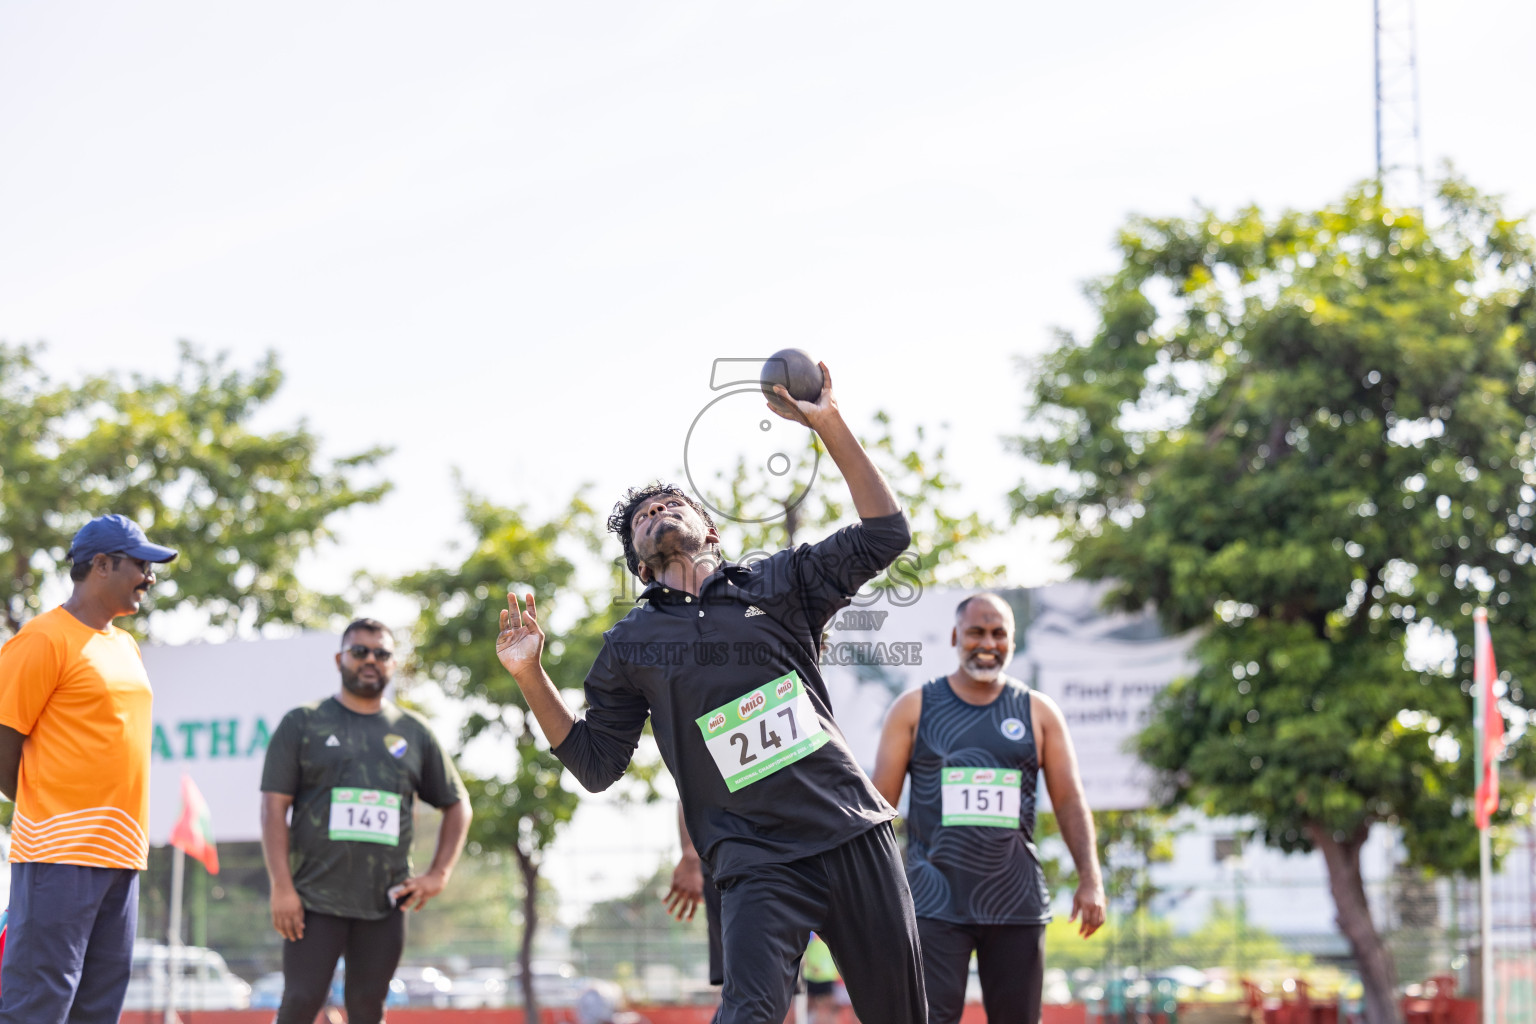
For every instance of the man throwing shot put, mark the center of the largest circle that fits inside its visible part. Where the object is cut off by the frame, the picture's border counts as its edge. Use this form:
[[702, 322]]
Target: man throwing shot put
[[723, 660], [350, 768], [973, 743], [74, 751]]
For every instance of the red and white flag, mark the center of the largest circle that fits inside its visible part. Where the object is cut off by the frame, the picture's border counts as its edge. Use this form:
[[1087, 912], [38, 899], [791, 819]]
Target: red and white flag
[[193, 831], [1484, 672]]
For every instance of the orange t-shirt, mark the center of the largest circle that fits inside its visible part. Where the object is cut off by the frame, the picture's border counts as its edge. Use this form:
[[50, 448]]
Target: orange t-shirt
[[82, 698]]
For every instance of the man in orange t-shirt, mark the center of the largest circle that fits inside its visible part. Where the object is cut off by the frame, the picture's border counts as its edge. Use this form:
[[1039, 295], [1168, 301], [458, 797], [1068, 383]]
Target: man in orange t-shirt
[[74, 754]]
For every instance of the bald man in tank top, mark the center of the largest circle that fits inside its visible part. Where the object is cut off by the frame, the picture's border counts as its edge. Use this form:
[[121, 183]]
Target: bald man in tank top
[[973, 743]]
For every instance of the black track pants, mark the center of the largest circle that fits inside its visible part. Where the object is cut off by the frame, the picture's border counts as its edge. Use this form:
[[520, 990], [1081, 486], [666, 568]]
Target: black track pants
[[1010, 963], [373, 952], [854, 896]]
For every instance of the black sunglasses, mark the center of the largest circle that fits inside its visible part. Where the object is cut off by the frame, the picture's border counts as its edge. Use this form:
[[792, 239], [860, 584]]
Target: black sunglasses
[[360, 651]]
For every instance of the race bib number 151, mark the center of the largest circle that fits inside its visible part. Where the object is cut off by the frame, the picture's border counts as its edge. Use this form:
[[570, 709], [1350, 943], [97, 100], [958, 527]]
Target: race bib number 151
[[980, 796], [762, 731]]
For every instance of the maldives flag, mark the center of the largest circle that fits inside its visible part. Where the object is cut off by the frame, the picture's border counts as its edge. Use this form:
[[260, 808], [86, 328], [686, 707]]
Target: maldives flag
[[193, 831], [1484, 672]]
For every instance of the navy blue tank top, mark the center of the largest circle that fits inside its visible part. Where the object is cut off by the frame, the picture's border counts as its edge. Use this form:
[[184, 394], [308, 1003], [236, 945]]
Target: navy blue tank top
[[968, 873]]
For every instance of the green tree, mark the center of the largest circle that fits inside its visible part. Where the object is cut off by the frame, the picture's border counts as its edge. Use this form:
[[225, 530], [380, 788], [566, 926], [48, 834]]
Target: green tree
[[1311, 439], [1228, 939], [943, 544], [454, 643], [621, 937], [182, 456]]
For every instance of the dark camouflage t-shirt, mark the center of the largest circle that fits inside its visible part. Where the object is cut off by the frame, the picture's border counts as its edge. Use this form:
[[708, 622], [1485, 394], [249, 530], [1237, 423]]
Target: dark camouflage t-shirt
[[345, 861]]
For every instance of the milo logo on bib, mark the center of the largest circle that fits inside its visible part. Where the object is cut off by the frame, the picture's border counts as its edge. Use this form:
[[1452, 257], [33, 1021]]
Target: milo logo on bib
[[756, 734]]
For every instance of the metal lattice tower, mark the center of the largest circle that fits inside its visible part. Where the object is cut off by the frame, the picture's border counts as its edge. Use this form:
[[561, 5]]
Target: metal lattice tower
[[1399, 155]]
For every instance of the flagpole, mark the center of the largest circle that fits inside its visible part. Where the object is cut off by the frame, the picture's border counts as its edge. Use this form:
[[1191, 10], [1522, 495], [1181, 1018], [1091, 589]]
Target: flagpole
[[1485, 899], [1482, 692], [173, 932]]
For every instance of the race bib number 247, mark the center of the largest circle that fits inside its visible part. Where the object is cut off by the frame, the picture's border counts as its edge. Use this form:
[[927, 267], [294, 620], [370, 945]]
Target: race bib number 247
[[762, 731]]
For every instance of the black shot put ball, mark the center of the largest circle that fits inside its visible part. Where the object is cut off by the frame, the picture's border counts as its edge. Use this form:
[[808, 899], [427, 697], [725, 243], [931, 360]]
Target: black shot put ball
[[795, 370]]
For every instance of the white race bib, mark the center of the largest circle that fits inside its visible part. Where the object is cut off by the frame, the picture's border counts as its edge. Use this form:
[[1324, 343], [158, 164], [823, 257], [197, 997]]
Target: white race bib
[[365, 816], [762, 731], [981, 796]]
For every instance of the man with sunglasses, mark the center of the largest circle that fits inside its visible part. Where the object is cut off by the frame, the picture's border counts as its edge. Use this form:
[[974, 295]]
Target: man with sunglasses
[[349, 768], [74, 753]]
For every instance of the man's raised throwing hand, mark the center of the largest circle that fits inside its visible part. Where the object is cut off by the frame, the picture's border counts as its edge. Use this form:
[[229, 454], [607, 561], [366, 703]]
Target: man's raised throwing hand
[[809, 414], [519, 641]]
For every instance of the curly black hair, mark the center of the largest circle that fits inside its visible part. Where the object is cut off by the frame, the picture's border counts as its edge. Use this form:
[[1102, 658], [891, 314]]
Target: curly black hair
[[624, 511]]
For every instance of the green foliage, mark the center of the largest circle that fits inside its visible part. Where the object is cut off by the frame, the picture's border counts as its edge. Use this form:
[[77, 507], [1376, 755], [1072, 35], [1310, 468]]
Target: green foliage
[[181, 456], [454, 643], [622, 936], [1310, 438], [1225, 939], [1228, 939], [1128, 842], [942, 550], [480, 913], [521, 811]]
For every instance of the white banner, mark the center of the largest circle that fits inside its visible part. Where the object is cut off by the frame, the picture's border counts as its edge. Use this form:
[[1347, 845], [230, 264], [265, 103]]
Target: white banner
[[1102, 669], [215, 708]]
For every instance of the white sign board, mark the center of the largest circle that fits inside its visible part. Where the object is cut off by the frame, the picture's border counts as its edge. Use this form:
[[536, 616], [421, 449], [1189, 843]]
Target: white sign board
[[1102, 669], [215, 708]]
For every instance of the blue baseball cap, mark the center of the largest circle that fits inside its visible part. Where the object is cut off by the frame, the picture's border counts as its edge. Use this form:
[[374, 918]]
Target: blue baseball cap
[[113, 535]]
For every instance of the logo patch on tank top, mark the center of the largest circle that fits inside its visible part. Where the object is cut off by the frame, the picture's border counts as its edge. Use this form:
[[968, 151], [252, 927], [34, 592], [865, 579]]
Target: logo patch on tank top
[[1012, 728], [395, 745]]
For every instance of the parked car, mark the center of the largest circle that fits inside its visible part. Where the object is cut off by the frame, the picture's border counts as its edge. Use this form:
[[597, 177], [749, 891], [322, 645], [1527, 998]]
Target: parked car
[[203, 980], [480, 986], [397, 995], [555, 983], [267, 990], [424, 986]]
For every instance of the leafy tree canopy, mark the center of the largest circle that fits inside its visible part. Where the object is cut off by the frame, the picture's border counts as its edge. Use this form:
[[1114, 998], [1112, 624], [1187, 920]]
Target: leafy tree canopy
[[523, 808], [943, 543], [181, 455], [1311, 438]]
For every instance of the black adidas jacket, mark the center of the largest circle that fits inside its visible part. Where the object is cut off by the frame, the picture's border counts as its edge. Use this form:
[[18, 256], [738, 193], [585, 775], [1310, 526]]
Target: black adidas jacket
[[679, 659]]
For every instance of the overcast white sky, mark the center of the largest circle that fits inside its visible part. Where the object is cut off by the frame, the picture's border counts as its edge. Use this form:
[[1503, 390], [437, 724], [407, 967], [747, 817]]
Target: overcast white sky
[[511, 237]]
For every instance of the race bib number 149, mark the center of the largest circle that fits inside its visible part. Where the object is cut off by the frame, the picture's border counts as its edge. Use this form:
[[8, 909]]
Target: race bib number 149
[[762, 731], [365, 816]]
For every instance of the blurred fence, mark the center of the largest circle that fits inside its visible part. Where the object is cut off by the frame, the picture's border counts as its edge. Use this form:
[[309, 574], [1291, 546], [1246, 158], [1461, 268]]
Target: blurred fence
[[1431, 925]]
